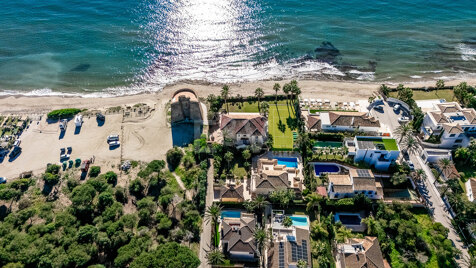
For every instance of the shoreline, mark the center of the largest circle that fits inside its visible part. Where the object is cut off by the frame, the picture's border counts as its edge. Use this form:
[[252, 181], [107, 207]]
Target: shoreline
[[328, 89]]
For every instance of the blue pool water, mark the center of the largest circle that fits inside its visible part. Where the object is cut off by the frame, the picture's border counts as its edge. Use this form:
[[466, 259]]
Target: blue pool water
[[299, 221], [348, 219], [287, 161], [458, 117], [325, 168], [230, 214]]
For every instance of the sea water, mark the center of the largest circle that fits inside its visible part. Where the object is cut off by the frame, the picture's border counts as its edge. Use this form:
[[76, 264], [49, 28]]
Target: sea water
[[127, 46]]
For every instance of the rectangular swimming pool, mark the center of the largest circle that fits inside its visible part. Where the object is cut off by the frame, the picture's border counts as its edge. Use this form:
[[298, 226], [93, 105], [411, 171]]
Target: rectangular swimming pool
[[299, 221], [325, 168], [331, 144], [287, 161], [230, 214], [348, 219]]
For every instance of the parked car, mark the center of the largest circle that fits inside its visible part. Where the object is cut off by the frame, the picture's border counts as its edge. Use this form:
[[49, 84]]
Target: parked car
[[112, 138], [396, 107], [64, 157], [114, 143], [403, 119], [85, 166], [16, 151], [62, 151], [3, 180], [17, 143], [100, 117], [410, 164], [378, 108], [70, 149]]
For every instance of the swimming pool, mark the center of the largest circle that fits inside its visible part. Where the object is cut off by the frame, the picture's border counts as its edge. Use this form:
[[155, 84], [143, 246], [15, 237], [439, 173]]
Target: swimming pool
[[299, 220], [230, 214], [348, 219], [325, 168], [287, 161], [331, 144]]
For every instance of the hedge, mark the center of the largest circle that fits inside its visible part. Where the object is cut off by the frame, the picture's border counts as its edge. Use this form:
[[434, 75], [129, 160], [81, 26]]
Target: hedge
[[63, 113]]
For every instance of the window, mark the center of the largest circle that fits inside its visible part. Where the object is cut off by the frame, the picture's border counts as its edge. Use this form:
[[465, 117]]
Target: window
[[452, 135], [458, 140]]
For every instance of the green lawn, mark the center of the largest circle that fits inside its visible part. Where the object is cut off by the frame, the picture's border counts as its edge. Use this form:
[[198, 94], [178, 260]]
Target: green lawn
[[246, 107], [284, 114], [446, 94]]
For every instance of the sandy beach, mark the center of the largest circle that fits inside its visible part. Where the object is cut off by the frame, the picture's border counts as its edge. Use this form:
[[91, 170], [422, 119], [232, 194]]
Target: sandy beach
[[332, 90]]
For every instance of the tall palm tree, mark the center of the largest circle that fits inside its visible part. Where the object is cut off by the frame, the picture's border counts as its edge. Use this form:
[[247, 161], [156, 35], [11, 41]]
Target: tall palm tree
[[444, 164], [262, 239], [403, 131], [411, 145], [224, 94], [276, 88], [264, 108], [287, 90], [313, 204], [440, 84], [371, 224], [259, 93], [215, 257], [342, 234], [212, 214], [260, 204]]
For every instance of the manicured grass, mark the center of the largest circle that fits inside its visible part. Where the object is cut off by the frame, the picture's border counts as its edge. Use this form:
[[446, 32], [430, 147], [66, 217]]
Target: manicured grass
[[281, 113], [446, 94], [247, 107], [239, 171]]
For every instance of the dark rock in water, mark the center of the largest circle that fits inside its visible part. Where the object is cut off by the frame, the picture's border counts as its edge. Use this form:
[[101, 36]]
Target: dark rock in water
[[83, 67], [372, 65], [327, 52]]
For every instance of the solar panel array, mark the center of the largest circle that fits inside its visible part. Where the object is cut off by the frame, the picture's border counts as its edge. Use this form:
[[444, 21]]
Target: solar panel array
[[281, 255], [299, 252], [363, 172]]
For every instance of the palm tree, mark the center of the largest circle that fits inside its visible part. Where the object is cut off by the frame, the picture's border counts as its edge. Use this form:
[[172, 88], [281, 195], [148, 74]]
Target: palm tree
[[259, 93], [403, 131], [342, 234], [215, 257], [371, 224], [224, 94], [262, 239], [260, 204], [212, 214], [228, 158], [287, 222], [420, 175], [411, 145], [313, 204], [276, 88], [444, 164], [286, 90], [440, 84], [264, 108], [319, 230]]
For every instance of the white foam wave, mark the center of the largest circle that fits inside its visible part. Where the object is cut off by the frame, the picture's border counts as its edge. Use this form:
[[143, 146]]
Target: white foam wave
[[359, 75], [468, 53], [415, 76]]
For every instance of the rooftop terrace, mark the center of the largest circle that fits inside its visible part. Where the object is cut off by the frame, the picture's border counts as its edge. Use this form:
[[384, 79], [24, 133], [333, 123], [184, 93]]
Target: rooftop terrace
[[379, 143]]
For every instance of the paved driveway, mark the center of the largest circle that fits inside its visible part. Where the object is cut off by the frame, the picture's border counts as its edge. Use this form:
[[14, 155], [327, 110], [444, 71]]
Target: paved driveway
[[387, 117], [206, 235]]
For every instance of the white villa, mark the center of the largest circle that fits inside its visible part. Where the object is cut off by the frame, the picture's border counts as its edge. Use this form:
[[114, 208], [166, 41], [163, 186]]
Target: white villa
[[378, 152], [451, 123], [346, 121]]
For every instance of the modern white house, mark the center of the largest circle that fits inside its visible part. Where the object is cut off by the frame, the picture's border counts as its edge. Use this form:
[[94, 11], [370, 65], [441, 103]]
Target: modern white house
[[358, 181], [378, 152], [450, 124], [348, 122], [244, 128], [431, 155]]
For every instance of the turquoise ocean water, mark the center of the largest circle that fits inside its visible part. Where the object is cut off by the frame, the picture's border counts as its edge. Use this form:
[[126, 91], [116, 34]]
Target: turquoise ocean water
[[128, 46]]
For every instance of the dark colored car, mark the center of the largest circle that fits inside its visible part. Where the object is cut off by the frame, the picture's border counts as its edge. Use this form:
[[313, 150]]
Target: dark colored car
[[100, 117], [16, 151]]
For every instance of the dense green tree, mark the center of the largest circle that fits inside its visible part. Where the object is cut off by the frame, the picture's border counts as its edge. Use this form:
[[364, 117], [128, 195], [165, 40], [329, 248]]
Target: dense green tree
[[168, 255], [136, 188], [111, 177], [215, 257], [105, 200], [94, 171], [174, 156], [164, 223]]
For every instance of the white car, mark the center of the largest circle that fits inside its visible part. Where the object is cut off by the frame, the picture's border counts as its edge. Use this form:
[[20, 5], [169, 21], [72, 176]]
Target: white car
[[112, 138], [410, 164], [64, 156], [3, 180], [114, 143], [403, 119], [396, 107]]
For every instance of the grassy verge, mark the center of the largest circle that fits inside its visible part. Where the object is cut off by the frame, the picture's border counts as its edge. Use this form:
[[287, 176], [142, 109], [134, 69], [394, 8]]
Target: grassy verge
[[446, 94], [281, 115]]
